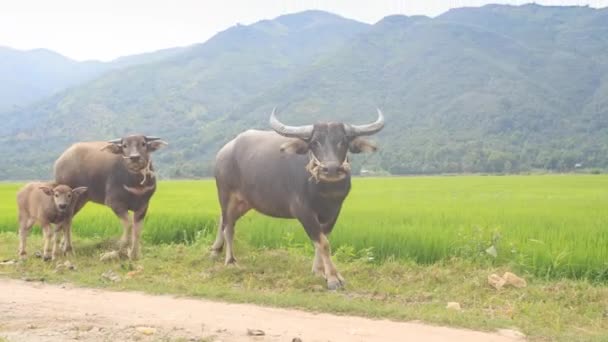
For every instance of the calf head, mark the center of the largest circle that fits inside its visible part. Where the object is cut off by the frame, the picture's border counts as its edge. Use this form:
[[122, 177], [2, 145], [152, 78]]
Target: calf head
[[135, 150], [63, 195], [328, 144]]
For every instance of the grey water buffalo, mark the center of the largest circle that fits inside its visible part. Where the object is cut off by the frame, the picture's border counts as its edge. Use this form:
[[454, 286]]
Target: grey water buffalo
[[46, 203], [118, 174], [302, 172]]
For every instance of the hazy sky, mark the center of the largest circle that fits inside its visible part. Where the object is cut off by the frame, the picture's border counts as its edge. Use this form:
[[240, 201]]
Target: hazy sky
[[106, 29]]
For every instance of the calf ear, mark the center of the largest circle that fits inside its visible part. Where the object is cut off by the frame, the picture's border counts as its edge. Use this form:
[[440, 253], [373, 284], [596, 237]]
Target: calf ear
[[47, 190], [362, 145], [80, 190], [112, 148], [156, 144], [296, 146]]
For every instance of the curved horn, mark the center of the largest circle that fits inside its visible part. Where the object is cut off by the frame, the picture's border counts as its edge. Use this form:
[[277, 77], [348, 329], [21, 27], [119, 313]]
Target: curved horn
[[148, 139], [368, 129], [115, 141], [302, 132]]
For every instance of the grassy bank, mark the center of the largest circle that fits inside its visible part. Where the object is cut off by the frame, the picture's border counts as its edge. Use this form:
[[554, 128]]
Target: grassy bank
[[546, 310], [552, 226]]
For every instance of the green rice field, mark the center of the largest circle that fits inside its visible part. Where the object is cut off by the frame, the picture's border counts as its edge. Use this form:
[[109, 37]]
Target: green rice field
[[552, 226]]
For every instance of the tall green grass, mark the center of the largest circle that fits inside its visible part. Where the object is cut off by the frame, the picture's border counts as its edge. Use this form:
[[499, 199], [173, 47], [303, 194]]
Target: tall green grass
[[551, 225]]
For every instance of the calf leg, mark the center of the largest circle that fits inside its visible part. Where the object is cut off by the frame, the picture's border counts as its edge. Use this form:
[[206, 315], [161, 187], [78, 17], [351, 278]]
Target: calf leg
[[67, 237], [47, 231], [25, 224], [57, 239], [138, 222]]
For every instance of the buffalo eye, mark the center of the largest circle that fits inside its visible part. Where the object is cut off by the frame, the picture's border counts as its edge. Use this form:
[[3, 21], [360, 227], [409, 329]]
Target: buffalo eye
[[56, 195], [143, 143], [124, 145]]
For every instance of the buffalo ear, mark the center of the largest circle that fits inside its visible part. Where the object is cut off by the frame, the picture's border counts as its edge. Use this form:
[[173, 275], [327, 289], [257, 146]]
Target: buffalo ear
[[296, 146], [362, 145], [112, 148], [48, 191], [156, 144], [79, 190]]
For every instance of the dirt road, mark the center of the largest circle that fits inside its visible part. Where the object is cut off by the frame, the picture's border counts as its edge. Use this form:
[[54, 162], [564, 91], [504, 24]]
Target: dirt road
[[42, 312]]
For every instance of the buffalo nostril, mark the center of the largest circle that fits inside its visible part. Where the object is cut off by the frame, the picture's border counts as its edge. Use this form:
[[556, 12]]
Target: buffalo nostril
[[63, 206], [134, 158], [330, 169]]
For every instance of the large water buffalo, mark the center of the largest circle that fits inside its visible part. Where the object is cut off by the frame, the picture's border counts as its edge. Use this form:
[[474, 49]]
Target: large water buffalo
[[302, 172], [118, 174]]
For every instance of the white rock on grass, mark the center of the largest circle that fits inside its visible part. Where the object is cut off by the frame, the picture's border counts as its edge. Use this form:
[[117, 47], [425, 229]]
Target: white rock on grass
[[109, 256], [453, 306]]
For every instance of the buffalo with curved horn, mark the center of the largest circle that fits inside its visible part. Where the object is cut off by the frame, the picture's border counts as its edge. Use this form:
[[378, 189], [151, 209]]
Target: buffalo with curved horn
[[302, 172], [119, 174]]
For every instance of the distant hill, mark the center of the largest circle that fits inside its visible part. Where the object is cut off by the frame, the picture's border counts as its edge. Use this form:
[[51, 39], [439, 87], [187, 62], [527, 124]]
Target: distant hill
[[29, 76], [490, 89]]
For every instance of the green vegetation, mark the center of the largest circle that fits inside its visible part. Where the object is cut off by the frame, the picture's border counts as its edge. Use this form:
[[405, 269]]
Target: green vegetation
[[557, 310], [406, 246], [549, 226], [500, 89]]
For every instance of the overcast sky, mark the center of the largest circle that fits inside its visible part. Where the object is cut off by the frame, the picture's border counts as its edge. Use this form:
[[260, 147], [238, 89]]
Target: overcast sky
[[106, 29]]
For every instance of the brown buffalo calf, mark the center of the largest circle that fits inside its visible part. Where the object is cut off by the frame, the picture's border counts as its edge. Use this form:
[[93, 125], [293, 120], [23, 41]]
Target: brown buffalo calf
[[46, 204]]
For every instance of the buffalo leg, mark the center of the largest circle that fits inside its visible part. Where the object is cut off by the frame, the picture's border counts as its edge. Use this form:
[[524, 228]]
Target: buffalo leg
[[334, 279], [138, 223], [237, 207], [218, 245], [318, 267], [25, 225], [125, 239], [322, 248], [317, 264], [125, 219], [80, 202]]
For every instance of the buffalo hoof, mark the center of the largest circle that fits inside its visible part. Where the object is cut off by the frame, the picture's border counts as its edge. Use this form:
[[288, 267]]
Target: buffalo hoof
[[122, 253], [47, 258], [336, 282], [230, 261], [133, 255], [334, 285]]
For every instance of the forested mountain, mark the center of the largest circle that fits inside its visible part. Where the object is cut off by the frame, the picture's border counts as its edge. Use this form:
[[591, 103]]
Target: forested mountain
[[490, 89]]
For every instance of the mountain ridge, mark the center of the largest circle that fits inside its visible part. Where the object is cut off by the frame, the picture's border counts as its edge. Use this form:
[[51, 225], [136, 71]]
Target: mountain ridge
[[467, 91]]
